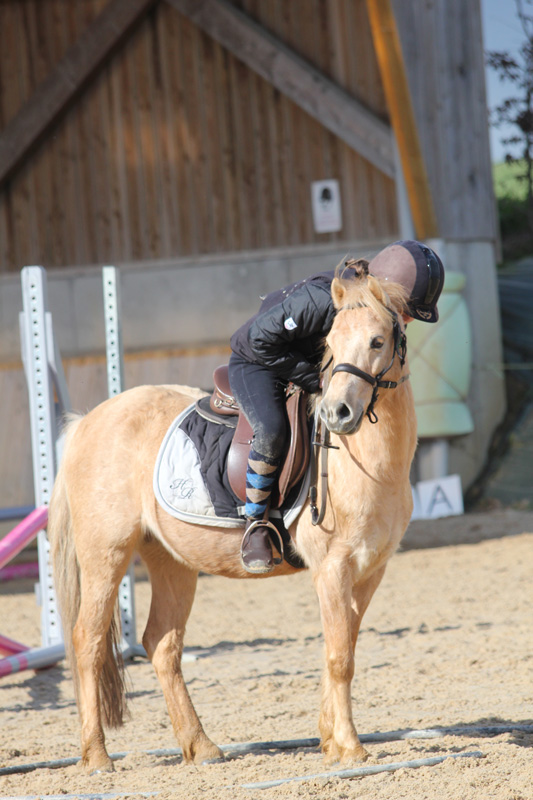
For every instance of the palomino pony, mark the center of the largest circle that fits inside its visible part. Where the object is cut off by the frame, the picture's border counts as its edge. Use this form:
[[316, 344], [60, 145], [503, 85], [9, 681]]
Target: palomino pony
[[103, 509]]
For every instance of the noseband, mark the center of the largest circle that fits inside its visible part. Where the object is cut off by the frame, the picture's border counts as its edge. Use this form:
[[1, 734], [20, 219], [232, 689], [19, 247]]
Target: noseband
[[400, 348]]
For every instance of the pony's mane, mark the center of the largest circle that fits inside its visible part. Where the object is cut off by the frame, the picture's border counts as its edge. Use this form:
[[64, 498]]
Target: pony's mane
[[363, 289]]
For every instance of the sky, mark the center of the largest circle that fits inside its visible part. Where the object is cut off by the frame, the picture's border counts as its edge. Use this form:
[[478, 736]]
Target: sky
[[501, 31]]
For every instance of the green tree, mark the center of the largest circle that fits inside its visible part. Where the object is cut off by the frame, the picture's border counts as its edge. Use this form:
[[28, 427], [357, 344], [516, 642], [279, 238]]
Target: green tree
[[518, 109]]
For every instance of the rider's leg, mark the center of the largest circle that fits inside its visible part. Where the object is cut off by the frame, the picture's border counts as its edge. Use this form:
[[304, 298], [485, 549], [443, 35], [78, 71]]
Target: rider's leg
[[256, 549], [261, 397]]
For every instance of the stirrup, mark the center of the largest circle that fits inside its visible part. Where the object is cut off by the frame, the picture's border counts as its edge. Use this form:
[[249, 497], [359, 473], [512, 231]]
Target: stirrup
[[265, 523]]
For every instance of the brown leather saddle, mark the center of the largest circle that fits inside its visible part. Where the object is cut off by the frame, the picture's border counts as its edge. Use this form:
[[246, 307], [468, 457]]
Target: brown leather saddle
[[222, 408]]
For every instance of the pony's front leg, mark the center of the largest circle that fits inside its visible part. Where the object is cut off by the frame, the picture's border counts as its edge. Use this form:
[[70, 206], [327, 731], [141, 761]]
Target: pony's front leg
[[173, 590], [342, 606]]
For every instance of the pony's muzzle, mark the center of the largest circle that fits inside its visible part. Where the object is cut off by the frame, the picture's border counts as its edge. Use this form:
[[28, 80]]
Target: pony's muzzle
[[340, 418]]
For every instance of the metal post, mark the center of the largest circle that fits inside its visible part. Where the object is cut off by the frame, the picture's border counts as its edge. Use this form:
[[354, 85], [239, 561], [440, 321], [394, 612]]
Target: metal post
[[115, 385], [113, 331], [40, 369]]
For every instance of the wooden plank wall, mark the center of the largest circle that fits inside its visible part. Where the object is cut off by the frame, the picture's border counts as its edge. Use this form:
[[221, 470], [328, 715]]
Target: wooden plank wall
[[177, 148]]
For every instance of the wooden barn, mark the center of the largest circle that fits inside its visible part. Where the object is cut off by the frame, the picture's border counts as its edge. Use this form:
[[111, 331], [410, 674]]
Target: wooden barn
[[195, 144]]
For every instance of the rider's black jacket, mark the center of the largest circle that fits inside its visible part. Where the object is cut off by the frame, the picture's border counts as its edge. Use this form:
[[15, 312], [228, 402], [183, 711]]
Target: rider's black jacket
[[287, 334]]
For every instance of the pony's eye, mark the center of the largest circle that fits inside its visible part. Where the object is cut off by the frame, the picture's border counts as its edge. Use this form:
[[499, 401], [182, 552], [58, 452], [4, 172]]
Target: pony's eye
[[377, 343]]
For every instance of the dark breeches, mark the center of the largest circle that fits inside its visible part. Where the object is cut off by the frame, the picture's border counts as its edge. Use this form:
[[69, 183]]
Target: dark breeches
[[261, 396]]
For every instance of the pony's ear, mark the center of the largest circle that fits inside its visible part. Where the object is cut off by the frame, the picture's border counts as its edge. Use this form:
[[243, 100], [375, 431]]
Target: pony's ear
[[338, 293]]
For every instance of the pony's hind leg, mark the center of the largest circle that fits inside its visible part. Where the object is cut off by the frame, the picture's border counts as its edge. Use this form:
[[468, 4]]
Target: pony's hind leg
[[99, 665], [173, 589]]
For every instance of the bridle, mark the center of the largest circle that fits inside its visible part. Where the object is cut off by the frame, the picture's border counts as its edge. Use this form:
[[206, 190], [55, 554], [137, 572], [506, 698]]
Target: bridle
[[399, 348], [322, 442]]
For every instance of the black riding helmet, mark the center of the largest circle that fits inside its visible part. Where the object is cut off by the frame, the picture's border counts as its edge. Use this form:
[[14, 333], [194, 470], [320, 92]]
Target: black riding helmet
[[418, 269]]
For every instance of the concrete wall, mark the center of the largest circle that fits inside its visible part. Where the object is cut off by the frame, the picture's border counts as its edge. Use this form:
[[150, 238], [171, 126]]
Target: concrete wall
[[166, 303], [197, 303]]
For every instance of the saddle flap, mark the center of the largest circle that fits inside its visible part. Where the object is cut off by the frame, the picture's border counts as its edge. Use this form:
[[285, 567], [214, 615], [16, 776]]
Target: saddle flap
[[238, 457], [222, 400], [297, 457], [294, 462]]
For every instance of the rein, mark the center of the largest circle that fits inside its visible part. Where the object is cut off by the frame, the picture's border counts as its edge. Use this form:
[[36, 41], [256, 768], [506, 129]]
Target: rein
[[400, 350], [324, 445]]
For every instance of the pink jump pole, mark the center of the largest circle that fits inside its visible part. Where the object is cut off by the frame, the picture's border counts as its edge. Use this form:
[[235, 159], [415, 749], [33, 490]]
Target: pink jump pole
[[32, 659], [9, 647], [17, 539], [18, 656], [14, 571]]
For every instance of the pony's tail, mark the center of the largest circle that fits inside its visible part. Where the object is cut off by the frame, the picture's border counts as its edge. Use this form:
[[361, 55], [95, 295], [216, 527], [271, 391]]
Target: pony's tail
[[66, 570]]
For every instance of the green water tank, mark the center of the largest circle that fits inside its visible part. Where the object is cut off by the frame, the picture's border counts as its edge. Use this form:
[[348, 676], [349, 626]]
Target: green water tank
[[440, 361]]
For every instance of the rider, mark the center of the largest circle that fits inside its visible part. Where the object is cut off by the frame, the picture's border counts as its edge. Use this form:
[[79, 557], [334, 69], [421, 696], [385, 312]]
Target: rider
[[283, 343]]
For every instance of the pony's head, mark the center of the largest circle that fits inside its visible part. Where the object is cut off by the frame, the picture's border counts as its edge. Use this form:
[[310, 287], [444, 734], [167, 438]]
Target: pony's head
[[366, 336]]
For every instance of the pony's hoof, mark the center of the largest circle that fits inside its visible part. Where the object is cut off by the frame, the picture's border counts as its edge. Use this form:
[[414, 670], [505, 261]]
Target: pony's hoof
[[331, 755], [208, 754], [218, 760], [102, 770], [90, 768], [355, 755]]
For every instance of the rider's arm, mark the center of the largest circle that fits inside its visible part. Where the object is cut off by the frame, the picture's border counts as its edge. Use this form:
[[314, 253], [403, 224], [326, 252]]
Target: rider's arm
[[274, 336]]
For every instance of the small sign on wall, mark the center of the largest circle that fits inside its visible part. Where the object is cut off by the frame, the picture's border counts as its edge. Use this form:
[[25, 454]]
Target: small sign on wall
[[441, 497], [326, 204]]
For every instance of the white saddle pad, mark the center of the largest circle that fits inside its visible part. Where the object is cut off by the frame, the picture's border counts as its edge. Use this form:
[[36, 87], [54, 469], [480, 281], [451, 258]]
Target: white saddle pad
[[180, 488], [178, 482]]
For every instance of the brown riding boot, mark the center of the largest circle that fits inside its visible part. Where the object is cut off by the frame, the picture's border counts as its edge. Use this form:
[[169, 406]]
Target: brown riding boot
[[256, 549]]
